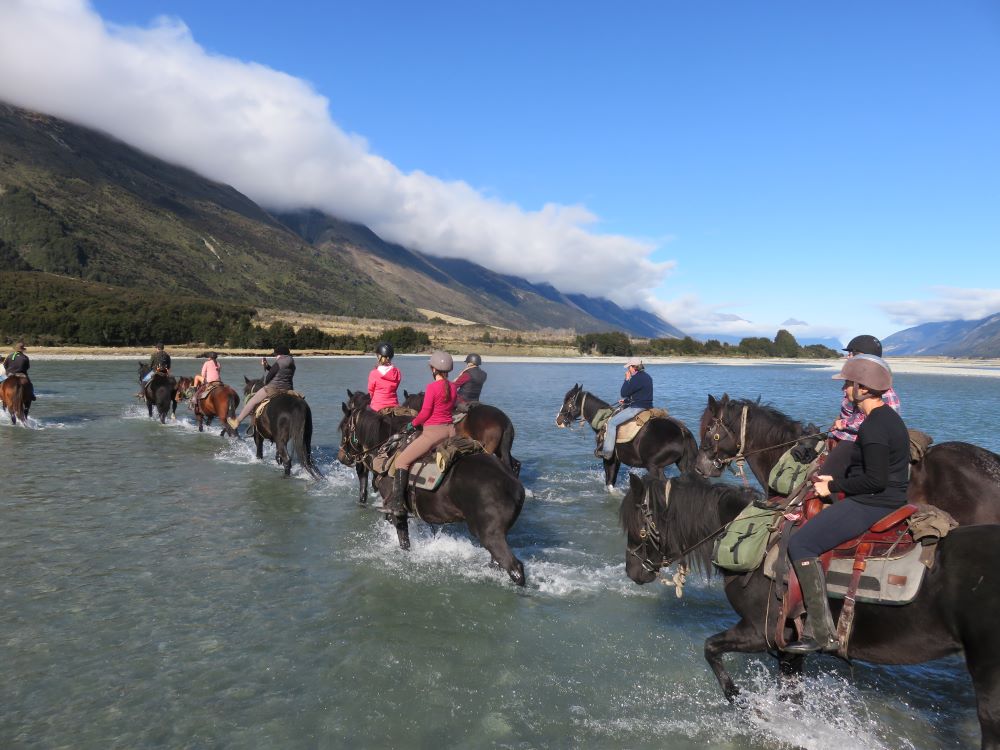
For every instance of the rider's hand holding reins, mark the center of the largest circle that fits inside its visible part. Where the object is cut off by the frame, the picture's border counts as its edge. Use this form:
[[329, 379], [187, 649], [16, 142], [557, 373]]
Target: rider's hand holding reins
[[822, 485]]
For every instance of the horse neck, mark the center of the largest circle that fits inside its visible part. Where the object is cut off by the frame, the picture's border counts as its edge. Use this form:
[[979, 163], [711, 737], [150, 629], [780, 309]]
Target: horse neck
[[769, 433], [696, 513], [371, 428], [590, 405]]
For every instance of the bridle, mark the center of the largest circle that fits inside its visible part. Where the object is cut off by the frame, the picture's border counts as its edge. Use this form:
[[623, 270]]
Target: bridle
[[350, 444], [650, 533], [718, 428], [570, 405]]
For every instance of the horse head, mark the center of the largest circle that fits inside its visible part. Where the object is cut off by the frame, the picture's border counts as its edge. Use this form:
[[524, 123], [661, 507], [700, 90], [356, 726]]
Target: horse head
[[413, 400], [250, 386], [570, 410], [718, 442], [642, 515]]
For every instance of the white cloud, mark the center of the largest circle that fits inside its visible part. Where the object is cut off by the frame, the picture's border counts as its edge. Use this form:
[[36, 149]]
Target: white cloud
[[794, 322], [948, 303], [271, 136]]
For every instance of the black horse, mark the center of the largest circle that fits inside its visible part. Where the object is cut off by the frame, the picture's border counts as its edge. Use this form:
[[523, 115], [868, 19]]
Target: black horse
[[659, 443], [160, 392], [960, 478], [477, 489], [287, 422], [485, 423], [369, 431], [954, 612]]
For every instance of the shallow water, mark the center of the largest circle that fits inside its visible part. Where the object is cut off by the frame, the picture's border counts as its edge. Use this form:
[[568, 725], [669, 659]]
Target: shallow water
[[163, 588]]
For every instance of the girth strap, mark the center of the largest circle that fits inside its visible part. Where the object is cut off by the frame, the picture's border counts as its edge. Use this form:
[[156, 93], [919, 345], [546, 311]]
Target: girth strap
[[845, 623]]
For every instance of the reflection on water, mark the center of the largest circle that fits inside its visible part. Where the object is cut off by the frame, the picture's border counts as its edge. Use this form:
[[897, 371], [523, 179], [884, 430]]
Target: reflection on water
[[163, 587]]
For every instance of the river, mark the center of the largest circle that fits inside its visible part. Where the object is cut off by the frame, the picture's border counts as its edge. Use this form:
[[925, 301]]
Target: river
[[162, 588]]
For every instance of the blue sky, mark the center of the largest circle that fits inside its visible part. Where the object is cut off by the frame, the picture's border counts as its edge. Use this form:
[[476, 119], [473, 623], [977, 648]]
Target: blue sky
[[736, 166]]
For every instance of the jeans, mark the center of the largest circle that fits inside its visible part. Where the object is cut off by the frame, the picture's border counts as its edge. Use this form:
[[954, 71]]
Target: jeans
[[612, 429]]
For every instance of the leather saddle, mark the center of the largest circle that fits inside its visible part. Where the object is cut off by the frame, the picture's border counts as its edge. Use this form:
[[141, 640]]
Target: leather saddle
[[628, 430]]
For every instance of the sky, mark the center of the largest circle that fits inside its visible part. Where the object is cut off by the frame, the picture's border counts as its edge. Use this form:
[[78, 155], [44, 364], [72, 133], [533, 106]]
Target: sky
[[831, 169]]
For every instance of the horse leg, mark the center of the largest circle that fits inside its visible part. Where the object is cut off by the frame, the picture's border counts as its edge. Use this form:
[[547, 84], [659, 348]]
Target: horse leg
[[149, 407], [259, 442], [495, 541], [741, 638], [403, 533], [611, 469], [362, 471], [200, 419]]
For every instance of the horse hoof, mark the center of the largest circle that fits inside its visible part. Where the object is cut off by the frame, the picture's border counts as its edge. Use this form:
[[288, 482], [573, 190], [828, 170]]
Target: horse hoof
[[610, 488]]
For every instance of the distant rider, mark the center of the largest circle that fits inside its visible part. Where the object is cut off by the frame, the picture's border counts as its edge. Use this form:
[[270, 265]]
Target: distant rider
[[470, 380], [875, 484], [384, 379], [17, 362], [277, 380], [845, 428], [210, 373], [636, 396], [159, 361], [436, 419]]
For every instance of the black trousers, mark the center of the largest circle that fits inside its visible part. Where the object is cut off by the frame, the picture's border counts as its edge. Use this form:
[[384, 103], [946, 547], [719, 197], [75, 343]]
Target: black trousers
[[840, 522]]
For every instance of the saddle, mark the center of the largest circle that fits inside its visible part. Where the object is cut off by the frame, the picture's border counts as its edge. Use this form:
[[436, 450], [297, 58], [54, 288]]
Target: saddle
[[397, 411], [208, 388], [885, 565], [626, 430], [263, 404], [427, 472]]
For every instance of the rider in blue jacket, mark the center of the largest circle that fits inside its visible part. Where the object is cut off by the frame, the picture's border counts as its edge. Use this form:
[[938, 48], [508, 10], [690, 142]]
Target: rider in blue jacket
[[636, 396]]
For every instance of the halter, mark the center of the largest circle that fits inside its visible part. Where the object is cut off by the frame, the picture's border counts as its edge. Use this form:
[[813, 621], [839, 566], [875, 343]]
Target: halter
[[650, 533], [739, 459], [349, 442], [579, 418]]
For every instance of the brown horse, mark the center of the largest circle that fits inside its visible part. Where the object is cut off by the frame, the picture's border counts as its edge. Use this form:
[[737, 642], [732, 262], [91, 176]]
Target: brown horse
[[960, 478], [16, 395], [220, 402], [184, 385]]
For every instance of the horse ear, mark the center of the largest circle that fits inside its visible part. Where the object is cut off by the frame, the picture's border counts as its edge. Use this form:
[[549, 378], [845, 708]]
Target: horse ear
[[406, 393], [635, 485], [349, 394], [711, 402], [725, 399], [246, 380], [344, 407]]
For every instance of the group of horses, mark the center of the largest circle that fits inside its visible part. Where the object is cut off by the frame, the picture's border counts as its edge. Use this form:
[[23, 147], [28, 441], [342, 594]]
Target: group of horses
[[954, 612], [286, 419]]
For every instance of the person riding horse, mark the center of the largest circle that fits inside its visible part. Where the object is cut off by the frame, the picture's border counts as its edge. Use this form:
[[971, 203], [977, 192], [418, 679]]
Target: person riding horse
[[636, 396], [845, 427], [874, 485], [17, 362], [470, 380], [277, 380], [210, 373], [384, 379], [436, 418]]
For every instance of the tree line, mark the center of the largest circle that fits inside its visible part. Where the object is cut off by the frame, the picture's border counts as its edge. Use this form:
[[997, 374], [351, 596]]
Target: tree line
[[618, 344]]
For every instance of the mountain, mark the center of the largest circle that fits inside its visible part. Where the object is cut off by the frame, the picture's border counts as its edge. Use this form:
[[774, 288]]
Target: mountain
[[82, 204], [955, 338]]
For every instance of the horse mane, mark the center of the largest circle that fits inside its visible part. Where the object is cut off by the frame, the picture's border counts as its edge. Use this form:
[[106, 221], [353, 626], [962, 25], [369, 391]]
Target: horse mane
[[697, 511], [766, 424]]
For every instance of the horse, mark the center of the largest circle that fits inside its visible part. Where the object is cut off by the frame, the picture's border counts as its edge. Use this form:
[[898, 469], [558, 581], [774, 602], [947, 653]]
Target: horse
[[220, 402], [286, 420], [659, 443], [159, 391], [373, 429], [184, 384], [960, 478], [483, 422], [16, 395], [477, 489], [954, 611]]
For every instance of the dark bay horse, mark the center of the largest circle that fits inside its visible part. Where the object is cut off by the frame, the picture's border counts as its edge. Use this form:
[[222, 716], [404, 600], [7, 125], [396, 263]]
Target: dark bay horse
[[16, 395], [485, 423], [159, 392], [954, 612], [220, 402], [659, 443], [368, 431], [960, 478], [287, 422], [477, 489]]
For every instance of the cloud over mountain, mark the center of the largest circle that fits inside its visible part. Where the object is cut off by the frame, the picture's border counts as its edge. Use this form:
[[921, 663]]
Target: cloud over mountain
[[272, 137]]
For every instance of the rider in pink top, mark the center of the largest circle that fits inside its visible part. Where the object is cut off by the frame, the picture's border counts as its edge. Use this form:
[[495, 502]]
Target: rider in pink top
[[209, 371], [439, 403], [384, 380]]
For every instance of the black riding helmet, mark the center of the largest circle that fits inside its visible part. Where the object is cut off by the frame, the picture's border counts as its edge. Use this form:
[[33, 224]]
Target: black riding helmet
[[384, 349], [864, 344], [474, 359]]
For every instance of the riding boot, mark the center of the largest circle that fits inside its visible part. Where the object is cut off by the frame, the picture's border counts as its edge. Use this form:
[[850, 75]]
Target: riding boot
[[812, 581], [396, 502]]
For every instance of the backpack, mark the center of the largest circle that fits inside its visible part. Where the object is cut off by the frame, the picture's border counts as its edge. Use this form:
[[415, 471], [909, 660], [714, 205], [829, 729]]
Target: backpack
[[741, 547], [789, 473]]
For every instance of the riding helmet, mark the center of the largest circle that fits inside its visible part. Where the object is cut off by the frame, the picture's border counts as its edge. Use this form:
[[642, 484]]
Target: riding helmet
[[442, 361], [868, 370], [384, 349], [280, 349], [864, 344], [474, 359]]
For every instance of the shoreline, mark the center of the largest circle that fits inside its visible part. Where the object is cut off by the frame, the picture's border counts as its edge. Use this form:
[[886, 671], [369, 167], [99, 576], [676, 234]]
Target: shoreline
[[902, 365]]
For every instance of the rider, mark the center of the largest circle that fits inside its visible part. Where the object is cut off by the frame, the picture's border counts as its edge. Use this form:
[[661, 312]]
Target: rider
[[436, 418], [845, 428], [277, 380], [384, 379], [17, 362], [210, 373], [159, 361], [470, 380], [636, 396], [875, 484]]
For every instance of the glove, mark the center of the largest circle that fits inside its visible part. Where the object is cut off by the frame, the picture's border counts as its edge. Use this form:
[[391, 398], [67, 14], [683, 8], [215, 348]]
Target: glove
[[410, 427], [805, 453]]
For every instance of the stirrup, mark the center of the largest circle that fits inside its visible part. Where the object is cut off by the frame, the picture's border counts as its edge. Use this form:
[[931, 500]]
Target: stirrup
[[809, 645]]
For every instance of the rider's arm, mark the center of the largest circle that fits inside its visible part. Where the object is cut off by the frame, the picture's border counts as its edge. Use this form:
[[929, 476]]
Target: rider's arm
[[462, 379], [430, 397], [272, 371], [371, 381]]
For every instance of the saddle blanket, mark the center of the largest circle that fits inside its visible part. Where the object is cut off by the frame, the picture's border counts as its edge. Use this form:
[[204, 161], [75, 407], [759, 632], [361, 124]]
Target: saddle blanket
[[397, 411], [886, 580], [628, 430], [428, 472]]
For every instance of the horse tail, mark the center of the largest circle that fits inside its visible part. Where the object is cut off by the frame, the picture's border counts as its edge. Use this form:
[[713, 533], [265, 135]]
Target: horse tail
[[302, 437], [504, 448], [232, 401], [689, 456]]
